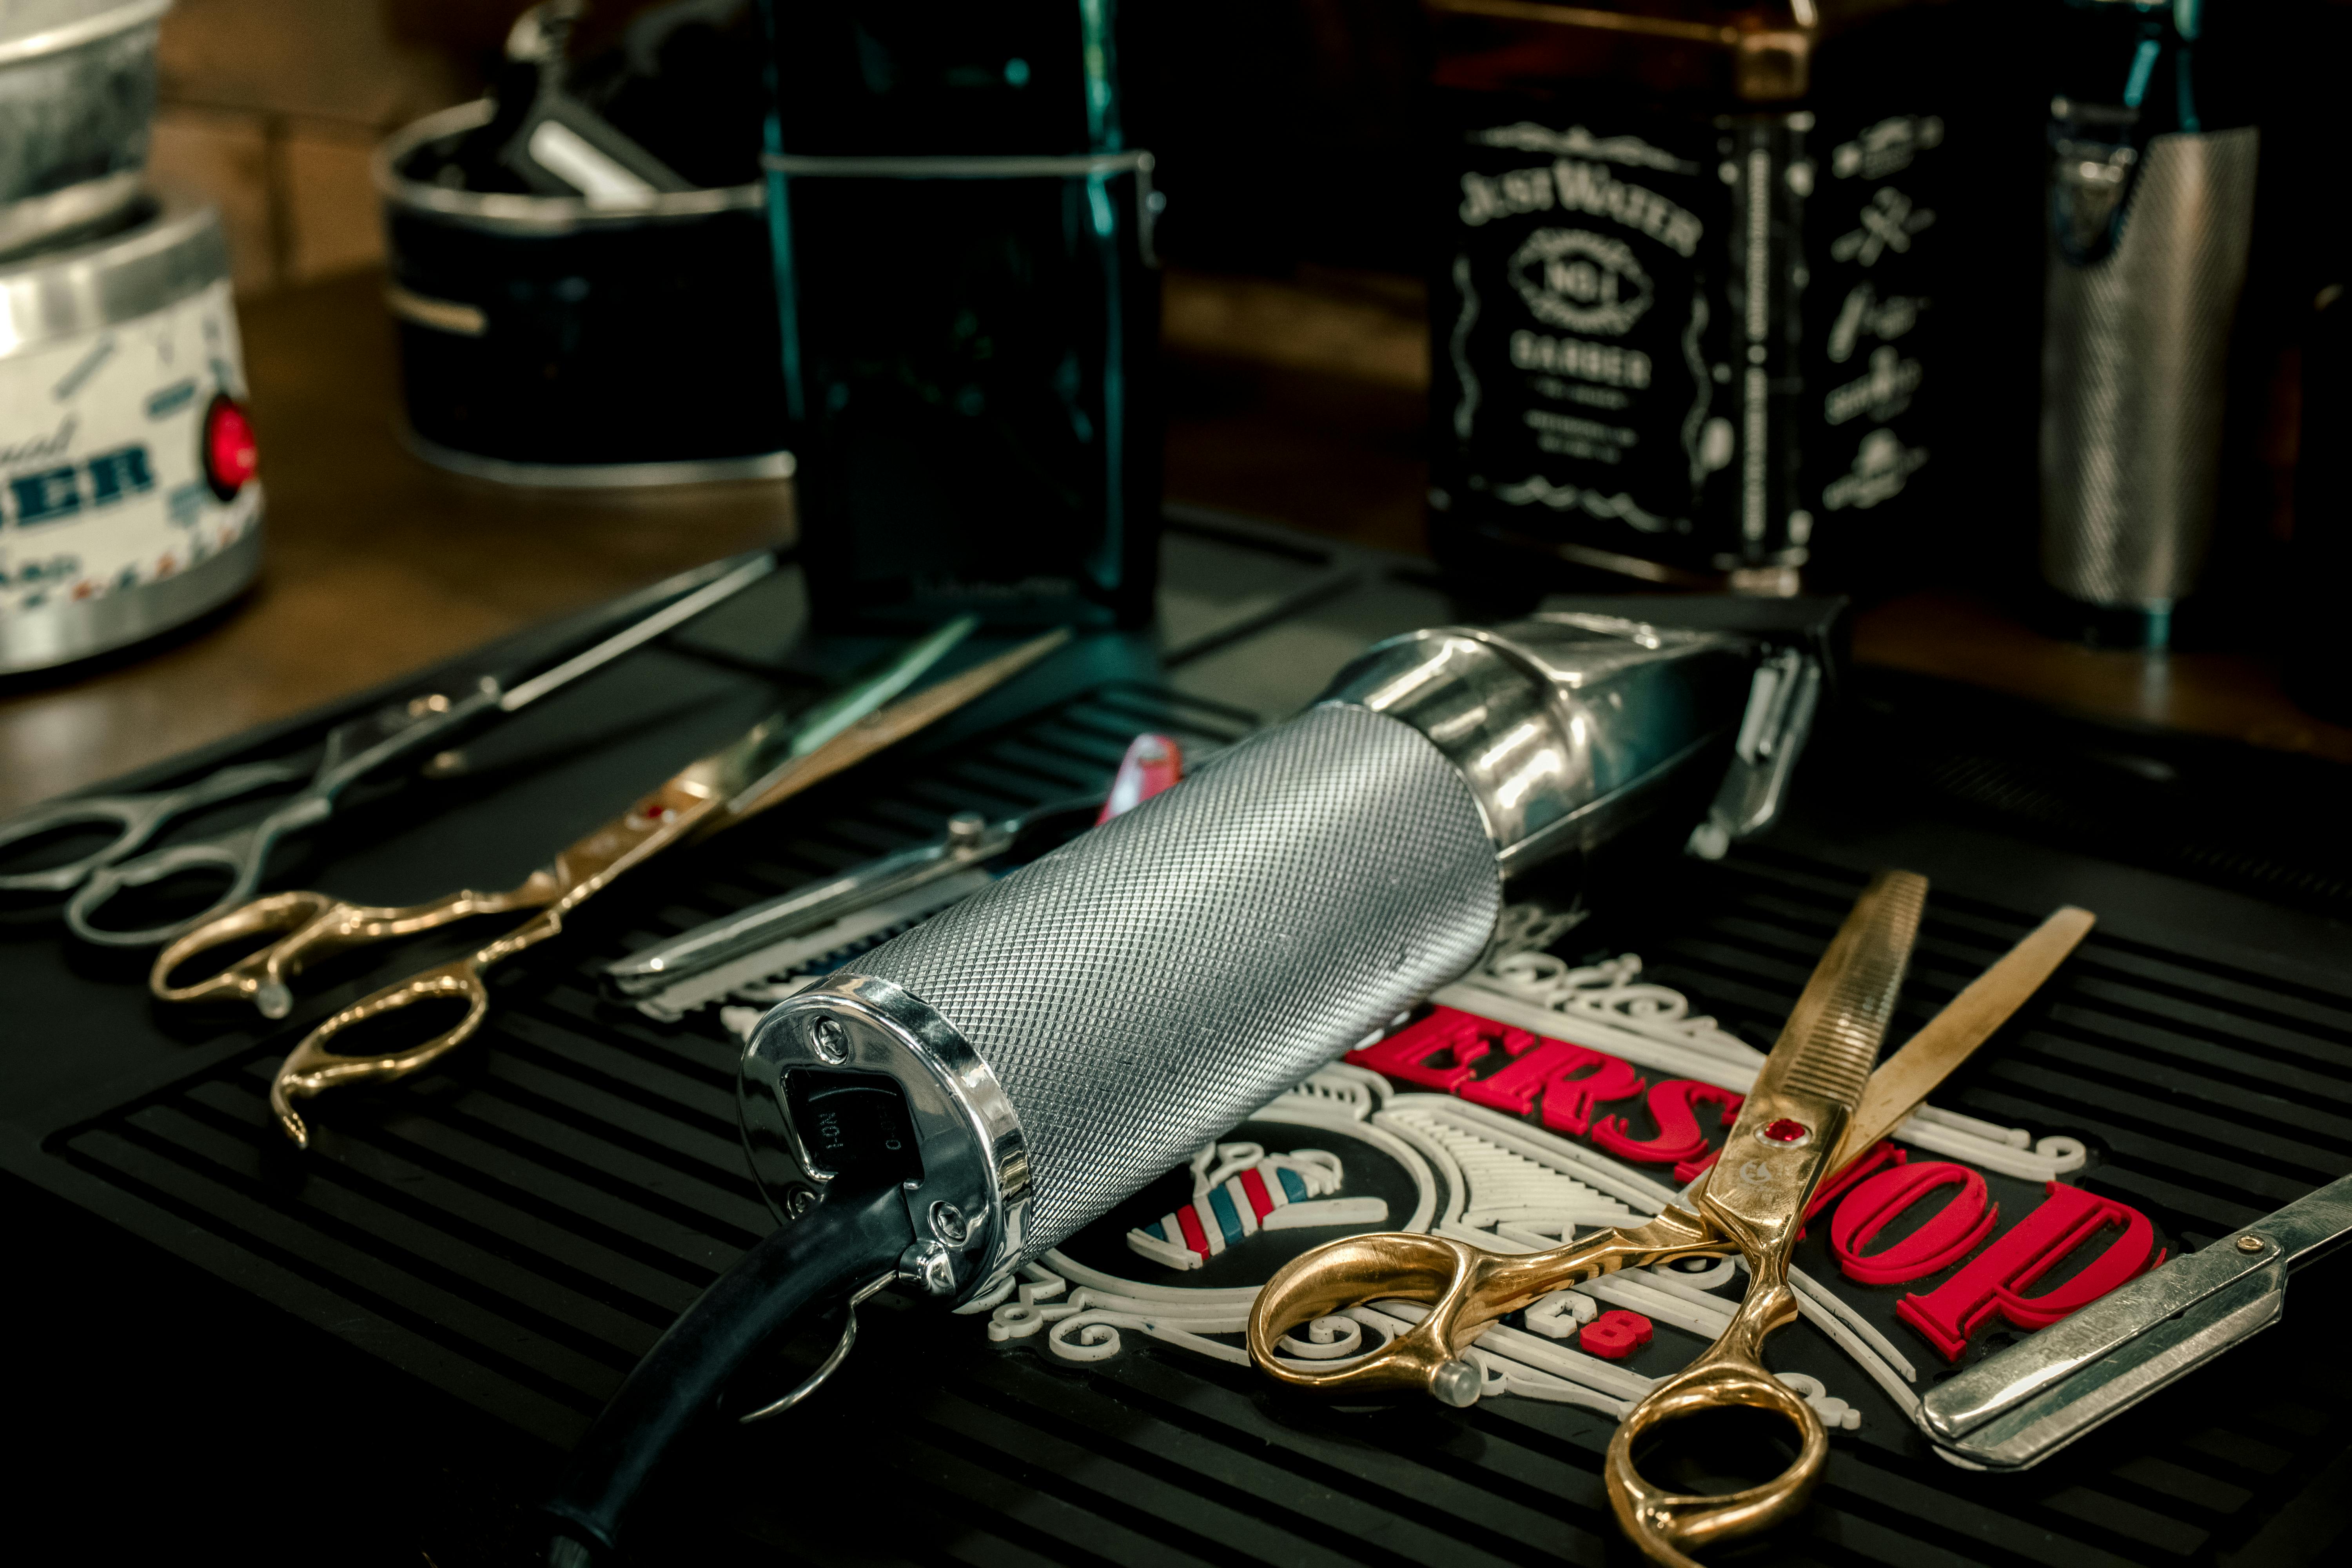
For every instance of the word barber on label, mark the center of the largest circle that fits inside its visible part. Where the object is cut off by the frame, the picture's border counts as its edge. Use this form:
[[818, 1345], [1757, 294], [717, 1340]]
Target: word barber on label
[[52, 495]]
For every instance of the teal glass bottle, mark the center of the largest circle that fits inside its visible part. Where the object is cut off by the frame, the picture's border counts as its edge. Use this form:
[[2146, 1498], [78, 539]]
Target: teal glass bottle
[[970, 310]]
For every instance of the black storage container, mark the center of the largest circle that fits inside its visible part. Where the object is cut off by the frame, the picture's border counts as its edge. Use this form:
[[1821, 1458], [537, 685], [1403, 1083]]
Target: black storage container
[[551, 340], [961, 222]]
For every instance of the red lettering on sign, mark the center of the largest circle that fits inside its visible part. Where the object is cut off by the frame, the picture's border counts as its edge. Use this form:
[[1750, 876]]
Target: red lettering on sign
[[1442, 1051], [1673, 1105], [1879, 1153], [1993, 1283], [1571, 1080], [1614, 1334], [1954, 1231], [1447, 1049]]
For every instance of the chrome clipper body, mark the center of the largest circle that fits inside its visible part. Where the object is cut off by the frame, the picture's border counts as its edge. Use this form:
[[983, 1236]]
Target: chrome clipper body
[[959, 1099], [1061, 1037]]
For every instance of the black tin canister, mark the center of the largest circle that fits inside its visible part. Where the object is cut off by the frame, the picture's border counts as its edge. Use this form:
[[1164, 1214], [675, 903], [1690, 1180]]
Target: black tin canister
[[549, 340]]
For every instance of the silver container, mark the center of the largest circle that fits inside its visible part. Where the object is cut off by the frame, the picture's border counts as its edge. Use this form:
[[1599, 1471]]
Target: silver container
[[77, 95], [2135, 348], [127, 498]]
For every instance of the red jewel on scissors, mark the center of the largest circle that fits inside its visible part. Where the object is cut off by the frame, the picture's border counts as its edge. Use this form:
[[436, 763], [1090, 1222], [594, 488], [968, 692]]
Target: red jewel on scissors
[[1787, 1131]]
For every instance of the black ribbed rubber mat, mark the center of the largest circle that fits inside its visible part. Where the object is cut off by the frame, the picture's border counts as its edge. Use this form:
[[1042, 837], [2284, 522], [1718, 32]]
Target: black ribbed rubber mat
[[2269, 822], [518, 1228], [525, 1221], [2184, 1073]]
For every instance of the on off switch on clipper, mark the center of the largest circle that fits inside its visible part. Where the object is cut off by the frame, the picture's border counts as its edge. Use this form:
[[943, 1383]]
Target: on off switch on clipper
[[853, 1126]]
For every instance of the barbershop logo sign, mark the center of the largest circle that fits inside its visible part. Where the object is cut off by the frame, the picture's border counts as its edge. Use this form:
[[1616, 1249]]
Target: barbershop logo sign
[[1534, 1101]]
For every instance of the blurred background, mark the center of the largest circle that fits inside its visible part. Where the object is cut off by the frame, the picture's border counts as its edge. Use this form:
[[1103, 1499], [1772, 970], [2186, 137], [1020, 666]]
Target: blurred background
[[339, 338], [1309, 161]]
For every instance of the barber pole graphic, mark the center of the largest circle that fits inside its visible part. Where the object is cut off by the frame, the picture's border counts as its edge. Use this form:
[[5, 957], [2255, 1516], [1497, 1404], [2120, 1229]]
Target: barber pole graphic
[[1276, 1191]]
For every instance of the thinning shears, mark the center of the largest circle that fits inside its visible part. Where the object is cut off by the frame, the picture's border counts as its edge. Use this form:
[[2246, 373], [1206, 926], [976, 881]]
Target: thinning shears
[[424, 724], [775, 760], [1816, 1106]]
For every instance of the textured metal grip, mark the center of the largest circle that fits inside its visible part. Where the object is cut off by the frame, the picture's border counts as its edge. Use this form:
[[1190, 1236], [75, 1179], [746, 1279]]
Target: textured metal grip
[[2135, 352], [1147, 986]]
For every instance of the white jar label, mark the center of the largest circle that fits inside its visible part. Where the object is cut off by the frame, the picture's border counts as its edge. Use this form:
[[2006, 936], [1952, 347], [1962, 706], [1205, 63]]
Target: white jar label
[[103, 480]]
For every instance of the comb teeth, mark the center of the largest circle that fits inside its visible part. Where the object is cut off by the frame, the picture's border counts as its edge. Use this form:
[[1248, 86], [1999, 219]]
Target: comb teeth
[[1831, 1039]]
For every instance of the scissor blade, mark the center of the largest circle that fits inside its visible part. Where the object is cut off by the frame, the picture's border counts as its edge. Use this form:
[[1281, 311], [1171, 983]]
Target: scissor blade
[[1831, 1039], [878, 731], [829, 718], [768, 750], [1967, 1021], [679, 599], [1825, 1050]]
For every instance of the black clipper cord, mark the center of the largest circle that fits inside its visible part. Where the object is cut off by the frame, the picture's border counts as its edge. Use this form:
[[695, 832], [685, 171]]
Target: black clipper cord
[[841, 1244]]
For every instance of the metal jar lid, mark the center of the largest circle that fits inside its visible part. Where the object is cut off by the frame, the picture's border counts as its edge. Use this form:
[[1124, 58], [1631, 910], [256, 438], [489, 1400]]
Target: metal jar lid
[[30, 28], [132, 273], [509, 213]]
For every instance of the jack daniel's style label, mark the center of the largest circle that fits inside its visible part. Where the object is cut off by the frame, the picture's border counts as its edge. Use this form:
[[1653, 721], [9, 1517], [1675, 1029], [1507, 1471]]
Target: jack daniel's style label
[[1670, 345], [1871, 310]]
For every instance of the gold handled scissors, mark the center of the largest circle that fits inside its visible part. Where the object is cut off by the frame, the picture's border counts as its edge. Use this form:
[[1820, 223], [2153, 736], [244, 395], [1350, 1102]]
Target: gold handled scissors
[[717, 791], [311, 926], [1815, 1106]]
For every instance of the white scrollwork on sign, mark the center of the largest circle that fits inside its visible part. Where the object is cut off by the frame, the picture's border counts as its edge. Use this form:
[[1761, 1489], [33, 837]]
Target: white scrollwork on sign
[[1703, 461], [1614, 1010], [1576, 141], [1583, 281], [1457, 344], [1530, 928], [1620, 508]]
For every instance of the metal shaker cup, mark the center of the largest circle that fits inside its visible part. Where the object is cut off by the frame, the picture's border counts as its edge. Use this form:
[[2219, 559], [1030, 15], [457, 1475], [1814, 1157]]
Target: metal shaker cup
[[2149, 215]]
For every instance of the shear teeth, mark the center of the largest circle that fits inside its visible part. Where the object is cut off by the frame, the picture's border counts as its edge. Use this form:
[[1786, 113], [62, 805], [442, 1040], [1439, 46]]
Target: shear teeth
[[1833, 1037]]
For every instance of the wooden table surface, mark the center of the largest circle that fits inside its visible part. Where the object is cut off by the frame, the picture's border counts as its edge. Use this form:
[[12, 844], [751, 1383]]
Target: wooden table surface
[[2233, 696], [1298, 405]]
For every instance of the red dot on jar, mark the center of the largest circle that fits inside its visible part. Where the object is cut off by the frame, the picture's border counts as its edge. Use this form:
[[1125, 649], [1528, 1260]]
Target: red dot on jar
[[1787, 1131], [229, 454]]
